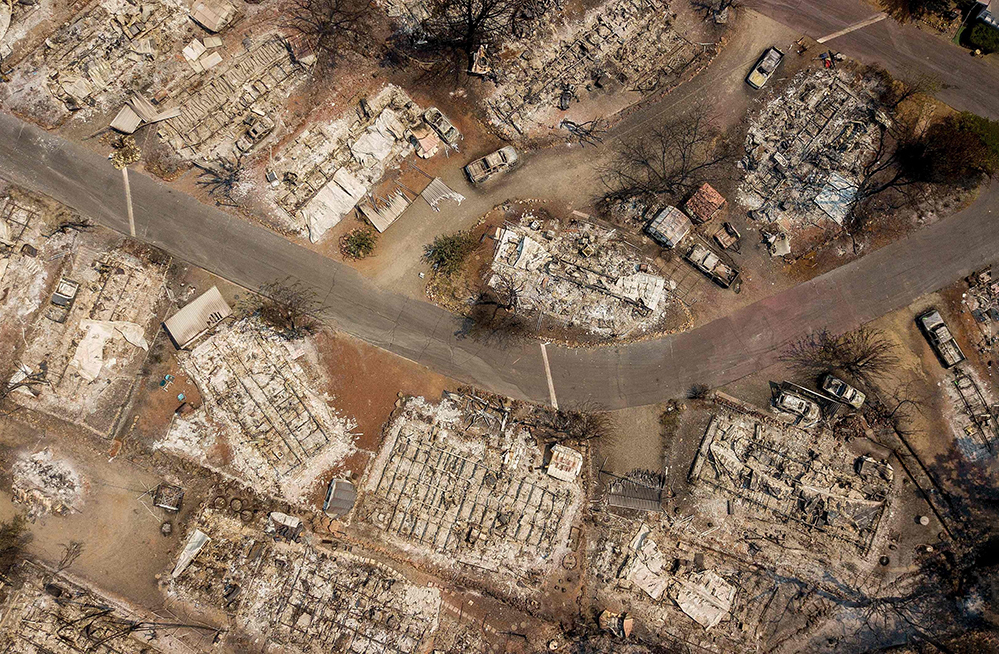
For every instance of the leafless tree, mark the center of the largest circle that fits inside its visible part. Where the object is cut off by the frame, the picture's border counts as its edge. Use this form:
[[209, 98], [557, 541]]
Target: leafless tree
[[27, 382], [864, 354], [494, 315], [292, 309], [713, 9], [582, 422], [222, 180], [665, 165], [331, 27], [447, 40], [588, 133], [906, 10], [71, 551]]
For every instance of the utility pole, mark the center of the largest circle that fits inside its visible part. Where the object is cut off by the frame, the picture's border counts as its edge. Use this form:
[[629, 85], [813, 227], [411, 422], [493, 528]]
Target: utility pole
[[128, 201]]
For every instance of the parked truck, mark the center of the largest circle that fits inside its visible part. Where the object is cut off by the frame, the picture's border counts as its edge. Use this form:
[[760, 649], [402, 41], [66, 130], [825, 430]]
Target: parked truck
[[712, 265], [936, 332]]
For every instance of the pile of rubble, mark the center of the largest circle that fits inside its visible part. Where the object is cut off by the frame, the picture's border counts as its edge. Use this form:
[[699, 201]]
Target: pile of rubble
[[91, 336], [230, 112], [807, 480], [463, 482], [49, 612], [323, 174], [46, 484], [260, 402], [620, 45], [805, 152], [90, 63], [299, 597], [580, 275]]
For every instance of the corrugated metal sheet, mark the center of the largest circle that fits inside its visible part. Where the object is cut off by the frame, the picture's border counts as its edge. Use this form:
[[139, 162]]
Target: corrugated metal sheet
[[197, 317], [127, 121], [626, 494]]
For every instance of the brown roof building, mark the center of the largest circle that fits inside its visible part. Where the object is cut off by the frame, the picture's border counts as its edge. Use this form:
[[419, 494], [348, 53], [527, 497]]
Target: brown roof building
[[704, 204]]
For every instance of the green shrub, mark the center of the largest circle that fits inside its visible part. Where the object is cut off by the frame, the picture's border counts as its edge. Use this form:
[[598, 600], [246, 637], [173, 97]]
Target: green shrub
[[984, 37], [360, 243], [448, 253]]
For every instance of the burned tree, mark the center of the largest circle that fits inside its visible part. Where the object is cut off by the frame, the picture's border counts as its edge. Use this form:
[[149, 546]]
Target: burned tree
[[906, 10], [21, 381], [292, 309], [222, 180], [494, 317], [331, 27], [582, 422], [865, 354], [665, 165], [447, 40]]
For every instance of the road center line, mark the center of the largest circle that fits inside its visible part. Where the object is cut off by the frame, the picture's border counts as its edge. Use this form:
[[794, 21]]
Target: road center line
[[856, 26], [548, 373]]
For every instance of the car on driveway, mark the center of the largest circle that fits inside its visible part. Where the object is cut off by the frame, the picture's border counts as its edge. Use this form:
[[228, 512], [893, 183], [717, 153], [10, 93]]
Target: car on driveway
[[491, 165], [764, 68], [797, 409], [843, 392]]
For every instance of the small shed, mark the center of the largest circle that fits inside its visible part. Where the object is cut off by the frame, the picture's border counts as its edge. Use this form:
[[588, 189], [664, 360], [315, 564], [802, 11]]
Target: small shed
[[197, 317], [704, 204], [669, 227], [565, 463], [340, 497]]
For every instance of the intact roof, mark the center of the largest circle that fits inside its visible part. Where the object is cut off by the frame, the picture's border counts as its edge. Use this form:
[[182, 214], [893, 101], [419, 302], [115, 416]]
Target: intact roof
[[704, 204], [669, 227], [197, 317]]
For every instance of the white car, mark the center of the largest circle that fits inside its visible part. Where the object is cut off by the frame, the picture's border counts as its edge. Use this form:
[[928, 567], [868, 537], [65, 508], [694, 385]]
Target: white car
[[839, 389], [489, 166], [764, 68], [806, 413]]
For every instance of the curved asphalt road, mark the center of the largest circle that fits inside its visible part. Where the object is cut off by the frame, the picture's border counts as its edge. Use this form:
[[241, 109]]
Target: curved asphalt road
[[627, 375]]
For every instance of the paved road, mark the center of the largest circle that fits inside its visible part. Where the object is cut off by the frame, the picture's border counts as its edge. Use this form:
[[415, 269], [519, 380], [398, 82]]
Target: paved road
[[637, 374], [642, 373], [967, 83]]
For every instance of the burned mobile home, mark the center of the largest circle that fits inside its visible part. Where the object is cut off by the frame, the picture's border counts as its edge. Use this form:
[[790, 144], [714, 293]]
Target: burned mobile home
[[579, 275], [296, 595], [463, 482], [260, 397]]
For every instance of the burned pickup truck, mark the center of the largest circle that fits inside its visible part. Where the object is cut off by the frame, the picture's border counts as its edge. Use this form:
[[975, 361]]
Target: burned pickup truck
[[935, 330], [711, 264]]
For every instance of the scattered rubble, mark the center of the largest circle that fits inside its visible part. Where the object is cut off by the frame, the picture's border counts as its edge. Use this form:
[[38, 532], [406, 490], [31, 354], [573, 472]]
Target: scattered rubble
[[299, 597], [579, 274], [462, 482], [621, 45], [46, 484], [53, 613], [260, 401], [805, 151], [91, 337], [329, 168]]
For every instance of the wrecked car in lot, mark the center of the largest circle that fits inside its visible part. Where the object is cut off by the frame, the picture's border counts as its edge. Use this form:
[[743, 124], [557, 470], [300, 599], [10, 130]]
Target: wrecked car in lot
[[491, 165], [764, 68], [712, 265], [939, 336], [440, 124], [796, 409]]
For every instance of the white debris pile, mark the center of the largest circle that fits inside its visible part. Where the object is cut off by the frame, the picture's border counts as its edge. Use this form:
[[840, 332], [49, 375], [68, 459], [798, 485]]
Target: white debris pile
[[46, 484], [297, 597], [92, 334], [578, 274], [325, 172], [263, 404], [464, 482], [806, 149]]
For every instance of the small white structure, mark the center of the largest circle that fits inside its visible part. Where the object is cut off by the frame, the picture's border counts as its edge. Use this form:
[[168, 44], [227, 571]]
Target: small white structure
[[565, 463], [197, 317]]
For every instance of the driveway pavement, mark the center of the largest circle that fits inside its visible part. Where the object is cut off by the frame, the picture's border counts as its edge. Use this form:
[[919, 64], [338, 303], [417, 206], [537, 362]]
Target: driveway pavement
[[628, 375]]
